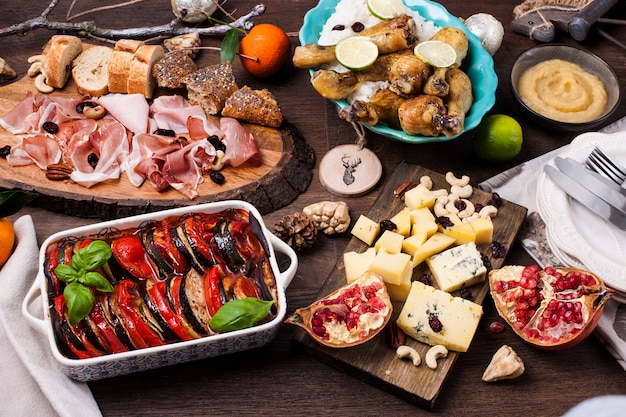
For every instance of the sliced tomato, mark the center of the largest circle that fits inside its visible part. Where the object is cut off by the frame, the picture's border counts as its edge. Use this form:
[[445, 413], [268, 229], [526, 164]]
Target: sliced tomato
[[131, 255], [157, 292], [163, 242], [77, 337], [135, 314], [107, 331], [214, 293], [244, 287]]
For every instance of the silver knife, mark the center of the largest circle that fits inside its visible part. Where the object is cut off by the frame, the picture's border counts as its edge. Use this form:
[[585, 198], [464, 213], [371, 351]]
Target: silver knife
[[594, 182], [585, 197]]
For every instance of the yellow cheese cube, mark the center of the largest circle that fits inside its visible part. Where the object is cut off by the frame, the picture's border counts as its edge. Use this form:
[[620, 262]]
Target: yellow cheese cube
[[391, 266], [412, 243], [390, 241], [402, 220], [399, 292], [366, 229], [356, 263], [422, 219], [453, 218], [483, 228], [458, 317], [418, 197], [462, 233], [457, 267], [434, 244]]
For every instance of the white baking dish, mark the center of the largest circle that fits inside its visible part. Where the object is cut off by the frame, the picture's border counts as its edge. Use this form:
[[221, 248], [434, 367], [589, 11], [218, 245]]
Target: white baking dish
[[154, 357]]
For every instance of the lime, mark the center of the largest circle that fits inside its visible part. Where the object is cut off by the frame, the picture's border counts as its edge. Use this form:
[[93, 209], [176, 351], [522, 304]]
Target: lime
[[436, 53], [498, 138], [386, 9], [356, 52]]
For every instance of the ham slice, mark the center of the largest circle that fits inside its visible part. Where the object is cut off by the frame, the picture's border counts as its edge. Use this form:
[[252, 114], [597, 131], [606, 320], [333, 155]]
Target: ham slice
[[131, 110], [172, 112], [28, 116], [42, 150], [142, 162], [240, 144]]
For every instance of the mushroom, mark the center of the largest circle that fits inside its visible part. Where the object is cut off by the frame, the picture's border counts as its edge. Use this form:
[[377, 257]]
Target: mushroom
[[405, 351], [434, 353], [505, 364]]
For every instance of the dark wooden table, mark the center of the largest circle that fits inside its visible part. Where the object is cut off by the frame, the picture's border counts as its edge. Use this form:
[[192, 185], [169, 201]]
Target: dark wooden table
[[275, 379]]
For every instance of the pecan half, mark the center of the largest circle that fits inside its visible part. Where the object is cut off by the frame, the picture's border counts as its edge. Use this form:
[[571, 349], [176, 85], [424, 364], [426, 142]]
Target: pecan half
[[395, 336], [59, 172], [403, 188]]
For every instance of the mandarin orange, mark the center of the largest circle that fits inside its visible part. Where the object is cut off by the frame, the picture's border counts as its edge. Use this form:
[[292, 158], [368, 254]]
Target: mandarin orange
[[7, 239], [264, 50]]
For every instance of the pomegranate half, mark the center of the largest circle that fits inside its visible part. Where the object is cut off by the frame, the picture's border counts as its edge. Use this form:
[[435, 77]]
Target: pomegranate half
[[553, 308], [349, 316]]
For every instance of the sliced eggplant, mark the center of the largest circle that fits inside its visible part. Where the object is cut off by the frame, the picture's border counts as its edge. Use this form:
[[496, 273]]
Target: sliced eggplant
[[192, 294], [227, 246]]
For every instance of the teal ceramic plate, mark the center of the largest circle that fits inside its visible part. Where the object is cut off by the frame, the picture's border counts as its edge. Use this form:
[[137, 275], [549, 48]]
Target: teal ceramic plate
[[478, 64]]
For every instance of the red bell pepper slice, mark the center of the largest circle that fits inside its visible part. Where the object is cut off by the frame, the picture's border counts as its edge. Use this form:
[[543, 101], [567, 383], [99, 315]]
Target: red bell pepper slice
[[129, 302], [157, 292], [84, 348], [213, 289], [106, 330], [164, 243], [130, 254]]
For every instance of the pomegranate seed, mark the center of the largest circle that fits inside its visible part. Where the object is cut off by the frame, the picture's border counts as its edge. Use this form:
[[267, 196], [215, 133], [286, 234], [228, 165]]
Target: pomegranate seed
[[496, 327]]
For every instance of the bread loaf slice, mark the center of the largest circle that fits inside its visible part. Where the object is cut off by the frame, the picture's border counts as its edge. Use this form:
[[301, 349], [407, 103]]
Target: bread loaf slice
[[119, 64], [254, 106], [210, 87], [140, 78], [90, 71], [59, 54], [170, 72]]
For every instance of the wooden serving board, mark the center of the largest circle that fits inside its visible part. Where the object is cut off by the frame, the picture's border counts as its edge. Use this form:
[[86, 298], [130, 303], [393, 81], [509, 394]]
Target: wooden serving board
[[375, 361], [285, 172]]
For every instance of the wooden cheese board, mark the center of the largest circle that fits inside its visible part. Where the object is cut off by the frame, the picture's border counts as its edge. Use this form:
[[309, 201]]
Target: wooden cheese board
[[375, 362], [284, 173]]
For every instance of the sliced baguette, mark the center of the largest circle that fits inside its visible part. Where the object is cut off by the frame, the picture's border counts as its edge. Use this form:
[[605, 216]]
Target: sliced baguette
[[90, 71], [60, 51], [254, 106], [140, 78], [119, 64]]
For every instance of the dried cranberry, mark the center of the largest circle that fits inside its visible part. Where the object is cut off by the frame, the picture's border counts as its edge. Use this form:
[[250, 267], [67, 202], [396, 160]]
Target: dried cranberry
[[217, 177], [486, 262], [339, 27], [444, 221], [80, 107], [92, 159], [460, 205], [358, 27], [425, 279], [435, 323], [50, 127], [5, 151], [217, 143], [165, 132], [496, 327], [465, 293], [497, 249], [495, 200], [387, 225], [478, 206]]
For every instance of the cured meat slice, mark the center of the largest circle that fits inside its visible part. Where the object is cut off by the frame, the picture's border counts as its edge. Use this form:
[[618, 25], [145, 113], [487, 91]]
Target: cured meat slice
[[172, 112], [240, 144], [42, 150], [131, 110]]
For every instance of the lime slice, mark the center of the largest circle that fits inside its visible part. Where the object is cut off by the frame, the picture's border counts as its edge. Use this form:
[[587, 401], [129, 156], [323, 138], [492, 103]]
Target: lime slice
[[386, 9], [356, 52], [436, 53]]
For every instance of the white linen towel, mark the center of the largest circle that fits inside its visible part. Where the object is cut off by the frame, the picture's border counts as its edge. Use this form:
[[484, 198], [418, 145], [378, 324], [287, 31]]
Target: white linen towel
[[32, 382]]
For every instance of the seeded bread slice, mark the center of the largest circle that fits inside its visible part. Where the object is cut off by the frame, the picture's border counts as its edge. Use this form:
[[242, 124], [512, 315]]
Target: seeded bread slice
[[254, 106], [119, 64], [210, 87], [170, 72], [140, 78], [90, 72], [60, 51]]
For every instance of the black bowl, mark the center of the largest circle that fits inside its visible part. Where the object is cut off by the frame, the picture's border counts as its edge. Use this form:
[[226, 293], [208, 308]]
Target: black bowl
[[588, 61]]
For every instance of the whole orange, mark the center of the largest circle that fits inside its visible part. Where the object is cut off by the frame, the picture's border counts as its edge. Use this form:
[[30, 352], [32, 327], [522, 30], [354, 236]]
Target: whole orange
[[264, 50], [7, 239]]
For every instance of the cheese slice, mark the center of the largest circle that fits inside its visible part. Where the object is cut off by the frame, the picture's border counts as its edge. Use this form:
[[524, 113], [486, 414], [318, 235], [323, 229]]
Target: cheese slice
[[391, 266], [390, 241], [462, 233], [458, 267], [399, 292], [434, 244], [423, 220], [366, 229], [418, 197], [355, 263], [402, 220], [483, 228], [458, 317]]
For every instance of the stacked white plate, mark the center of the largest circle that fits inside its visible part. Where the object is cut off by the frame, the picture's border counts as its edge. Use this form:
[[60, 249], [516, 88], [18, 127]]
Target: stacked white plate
[[577, 236]]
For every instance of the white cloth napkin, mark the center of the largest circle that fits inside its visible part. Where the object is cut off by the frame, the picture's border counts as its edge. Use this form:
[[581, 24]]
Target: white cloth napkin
[[519, 185], [32, 382]]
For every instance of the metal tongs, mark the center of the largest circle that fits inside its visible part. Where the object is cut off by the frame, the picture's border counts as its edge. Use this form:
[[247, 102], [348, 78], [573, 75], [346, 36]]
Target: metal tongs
[[540, 23]]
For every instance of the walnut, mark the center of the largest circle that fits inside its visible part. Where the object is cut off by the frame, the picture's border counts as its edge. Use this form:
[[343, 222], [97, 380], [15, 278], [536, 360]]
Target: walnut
[[329, 216]]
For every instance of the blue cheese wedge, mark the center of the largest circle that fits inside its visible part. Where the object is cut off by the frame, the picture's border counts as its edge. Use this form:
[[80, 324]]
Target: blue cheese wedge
[[457, 267], [435, 317]]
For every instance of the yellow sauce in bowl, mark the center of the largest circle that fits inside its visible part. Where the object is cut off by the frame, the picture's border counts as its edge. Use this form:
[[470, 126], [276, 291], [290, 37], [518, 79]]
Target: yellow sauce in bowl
[[563, 91]]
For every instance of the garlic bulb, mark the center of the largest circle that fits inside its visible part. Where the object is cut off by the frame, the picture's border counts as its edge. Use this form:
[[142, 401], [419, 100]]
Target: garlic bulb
[[486, 28], [196, 10]]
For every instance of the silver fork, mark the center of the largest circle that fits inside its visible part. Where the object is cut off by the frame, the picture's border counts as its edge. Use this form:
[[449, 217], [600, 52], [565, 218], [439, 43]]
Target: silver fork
[[602, 164]]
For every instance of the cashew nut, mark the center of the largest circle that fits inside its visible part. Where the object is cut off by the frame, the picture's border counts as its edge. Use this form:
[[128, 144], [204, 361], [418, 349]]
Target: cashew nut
[[440, 206], [40, 84], [35, 68], [463, 191], [218, 162], [404, 351], [442, 192], [488, 211], [452, 180], [427, 182], [96, 112], [468, 210], [36, 58], [434, 353], [451, 204], [471, 217]]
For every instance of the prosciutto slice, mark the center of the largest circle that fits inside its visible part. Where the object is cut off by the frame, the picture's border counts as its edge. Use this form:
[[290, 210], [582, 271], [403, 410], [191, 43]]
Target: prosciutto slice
[[28, 116], [240, 144], [131, 110], [146, 158], [172, 112], [42, 150]]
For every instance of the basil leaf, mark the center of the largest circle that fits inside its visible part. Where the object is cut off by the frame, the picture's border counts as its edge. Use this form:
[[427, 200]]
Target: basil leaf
[[79, 301], [12, 201], [92, 256], [228, 50], [97, 281], [66, 273], [240, 314]]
